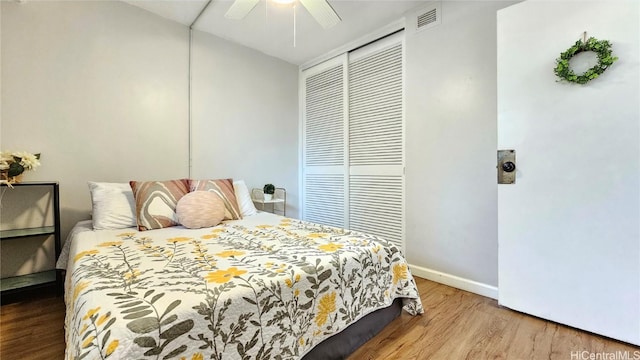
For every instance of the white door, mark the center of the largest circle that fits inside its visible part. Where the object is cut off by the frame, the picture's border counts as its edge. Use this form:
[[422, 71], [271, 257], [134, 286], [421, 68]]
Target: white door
[[569, 228], [376, 139], [324, 153]]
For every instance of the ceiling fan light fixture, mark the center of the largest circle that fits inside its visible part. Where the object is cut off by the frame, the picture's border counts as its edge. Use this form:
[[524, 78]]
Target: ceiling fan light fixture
[[320, 10], [284, 2]]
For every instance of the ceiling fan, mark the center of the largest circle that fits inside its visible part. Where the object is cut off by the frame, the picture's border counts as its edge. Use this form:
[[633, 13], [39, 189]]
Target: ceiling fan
[[321, 10]]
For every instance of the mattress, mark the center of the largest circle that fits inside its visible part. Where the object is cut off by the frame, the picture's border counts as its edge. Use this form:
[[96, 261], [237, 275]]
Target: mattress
[[262, 287]]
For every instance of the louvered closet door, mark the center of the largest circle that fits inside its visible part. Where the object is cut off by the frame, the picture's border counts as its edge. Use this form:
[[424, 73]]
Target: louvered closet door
[[324, 148], [376, 140]]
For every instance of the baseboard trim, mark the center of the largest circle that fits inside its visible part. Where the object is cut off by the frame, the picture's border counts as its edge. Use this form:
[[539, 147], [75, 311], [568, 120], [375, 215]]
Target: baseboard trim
[[455, 281]]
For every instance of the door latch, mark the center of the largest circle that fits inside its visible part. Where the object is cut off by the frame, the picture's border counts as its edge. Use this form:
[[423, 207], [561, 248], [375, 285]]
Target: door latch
[[506, 167]]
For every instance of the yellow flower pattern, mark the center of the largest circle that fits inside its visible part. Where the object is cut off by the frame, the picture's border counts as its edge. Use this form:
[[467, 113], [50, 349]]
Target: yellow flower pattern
[[91, 330], [110, 243], [88, 342], [82, 254], [317, 235], [230, 253], [113, 345], [399, 273], [103, 318], [129, 275], [224, 276], [79, 288], [330, 247], [290, 282], [326, 306], [178, 239], [90, 313]]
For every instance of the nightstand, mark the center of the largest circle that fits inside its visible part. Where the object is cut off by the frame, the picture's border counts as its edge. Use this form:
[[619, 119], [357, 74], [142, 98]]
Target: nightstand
[[277, 204], [30, 221]]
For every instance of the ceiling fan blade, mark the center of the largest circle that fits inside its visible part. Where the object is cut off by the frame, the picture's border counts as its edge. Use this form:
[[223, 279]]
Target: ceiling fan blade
[[240, 8], [322, 11]]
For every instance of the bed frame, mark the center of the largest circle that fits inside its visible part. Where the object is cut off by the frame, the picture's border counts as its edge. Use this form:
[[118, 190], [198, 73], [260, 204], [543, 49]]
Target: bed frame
[[341, 345]]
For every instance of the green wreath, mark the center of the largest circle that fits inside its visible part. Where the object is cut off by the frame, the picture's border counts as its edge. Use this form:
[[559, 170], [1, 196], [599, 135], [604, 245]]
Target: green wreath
[[602, 48]]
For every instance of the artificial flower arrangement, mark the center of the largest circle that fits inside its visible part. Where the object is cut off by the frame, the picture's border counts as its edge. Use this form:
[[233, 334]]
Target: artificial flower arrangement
[[14, 163]]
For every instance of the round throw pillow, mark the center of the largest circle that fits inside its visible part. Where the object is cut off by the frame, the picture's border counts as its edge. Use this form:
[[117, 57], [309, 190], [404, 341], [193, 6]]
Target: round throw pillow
[[200, 209]]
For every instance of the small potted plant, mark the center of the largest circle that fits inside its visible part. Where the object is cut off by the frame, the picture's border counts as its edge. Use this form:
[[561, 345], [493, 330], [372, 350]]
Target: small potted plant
[[14, 164], [268, 190]]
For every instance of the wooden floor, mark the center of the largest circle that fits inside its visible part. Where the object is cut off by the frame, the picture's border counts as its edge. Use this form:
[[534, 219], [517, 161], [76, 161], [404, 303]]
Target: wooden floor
[[456, 325]]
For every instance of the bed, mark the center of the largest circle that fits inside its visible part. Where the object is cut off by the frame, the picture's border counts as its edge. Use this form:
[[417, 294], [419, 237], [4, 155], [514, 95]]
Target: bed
[[264, 287]]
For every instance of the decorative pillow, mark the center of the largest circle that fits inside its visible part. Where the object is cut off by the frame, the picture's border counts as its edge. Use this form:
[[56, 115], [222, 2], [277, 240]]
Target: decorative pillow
[[156, 202], [200, 209], [247, 208], [113, 206], [224, 189]]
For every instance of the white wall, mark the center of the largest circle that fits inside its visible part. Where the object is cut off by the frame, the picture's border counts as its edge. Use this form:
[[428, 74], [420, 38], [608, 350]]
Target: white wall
[[245, 116], [451, 147], [99, 88]]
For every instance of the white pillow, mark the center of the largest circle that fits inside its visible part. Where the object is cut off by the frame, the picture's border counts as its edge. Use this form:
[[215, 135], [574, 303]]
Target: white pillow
[[243, 198], [113, 205]]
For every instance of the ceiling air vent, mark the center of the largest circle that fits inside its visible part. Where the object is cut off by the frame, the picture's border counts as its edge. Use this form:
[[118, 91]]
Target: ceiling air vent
[[428, 17]]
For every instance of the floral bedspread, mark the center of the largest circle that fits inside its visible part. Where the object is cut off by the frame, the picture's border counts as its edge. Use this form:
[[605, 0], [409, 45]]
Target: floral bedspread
[[266, 287]]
